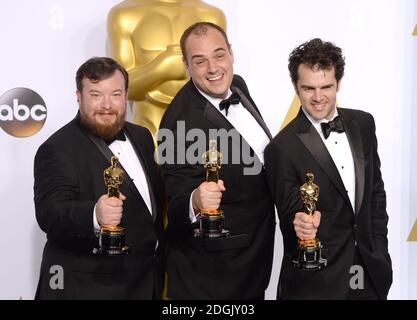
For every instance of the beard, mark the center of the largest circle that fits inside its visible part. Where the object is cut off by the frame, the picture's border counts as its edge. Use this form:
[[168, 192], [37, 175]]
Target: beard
[[103, 131]]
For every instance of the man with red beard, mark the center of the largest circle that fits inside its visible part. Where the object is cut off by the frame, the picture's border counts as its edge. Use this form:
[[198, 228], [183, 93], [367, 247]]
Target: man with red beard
[[71, 198]]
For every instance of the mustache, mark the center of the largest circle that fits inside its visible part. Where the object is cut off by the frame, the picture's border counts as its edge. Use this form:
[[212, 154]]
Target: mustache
[[105, 112], [104, 131]]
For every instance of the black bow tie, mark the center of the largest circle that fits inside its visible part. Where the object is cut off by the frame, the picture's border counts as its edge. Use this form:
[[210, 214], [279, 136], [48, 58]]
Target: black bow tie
[[233, 99], [119, 136], [334, 125]]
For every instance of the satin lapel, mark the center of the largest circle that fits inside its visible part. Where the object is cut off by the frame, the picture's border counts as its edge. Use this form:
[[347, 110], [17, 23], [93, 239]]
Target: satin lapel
[[253, 111], [215, 117], [220, 122], [312, 141], [146, 170], [107, 153], [355, 141]]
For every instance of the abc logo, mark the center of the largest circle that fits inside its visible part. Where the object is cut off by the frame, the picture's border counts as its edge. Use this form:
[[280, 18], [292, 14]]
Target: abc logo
[[22, 112]]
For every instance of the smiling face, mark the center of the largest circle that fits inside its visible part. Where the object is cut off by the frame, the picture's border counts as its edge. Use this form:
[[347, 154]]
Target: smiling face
[[103, 104], [317, 90], [210, 62]]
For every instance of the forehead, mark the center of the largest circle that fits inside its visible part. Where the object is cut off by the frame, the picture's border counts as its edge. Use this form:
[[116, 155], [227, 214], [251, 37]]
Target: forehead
[[307, 73], [114, 82], [206, 42]]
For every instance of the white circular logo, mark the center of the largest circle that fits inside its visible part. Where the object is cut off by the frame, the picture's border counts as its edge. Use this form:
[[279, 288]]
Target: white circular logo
[[22, 112]]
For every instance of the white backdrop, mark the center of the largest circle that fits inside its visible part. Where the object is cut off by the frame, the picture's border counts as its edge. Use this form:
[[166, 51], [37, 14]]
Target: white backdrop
[[45, 41]]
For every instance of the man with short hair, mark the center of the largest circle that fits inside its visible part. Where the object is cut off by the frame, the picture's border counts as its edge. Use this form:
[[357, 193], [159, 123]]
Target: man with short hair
[[216, 100], [72, 203]]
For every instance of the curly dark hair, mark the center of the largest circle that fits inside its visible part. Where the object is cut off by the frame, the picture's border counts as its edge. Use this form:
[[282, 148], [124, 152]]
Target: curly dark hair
[[317, 53], [97, 69]]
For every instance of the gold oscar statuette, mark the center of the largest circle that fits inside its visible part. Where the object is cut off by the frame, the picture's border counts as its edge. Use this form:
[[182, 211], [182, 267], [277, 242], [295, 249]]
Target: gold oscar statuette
[[211, 221], [144, 36], [309, 252], [112, 237]]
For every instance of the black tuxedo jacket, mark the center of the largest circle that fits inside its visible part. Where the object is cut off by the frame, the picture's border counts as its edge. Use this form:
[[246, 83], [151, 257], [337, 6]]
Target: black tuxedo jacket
[[298, 149], [68, 174], [237, 267]]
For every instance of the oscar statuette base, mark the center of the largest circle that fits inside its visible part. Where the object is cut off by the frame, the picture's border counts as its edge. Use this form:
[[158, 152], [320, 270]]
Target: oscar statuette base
[[211, 225], [111, 242], [310, 255]]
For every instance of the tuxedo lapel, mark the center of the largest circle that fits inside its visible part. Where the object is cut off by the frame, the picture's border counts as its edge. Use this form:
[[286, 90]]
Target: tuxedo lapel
[[209, 111], [355, 141], [108, 154], [312, 141], [253, 111], [215, 117], [146, 170], [220, 122]]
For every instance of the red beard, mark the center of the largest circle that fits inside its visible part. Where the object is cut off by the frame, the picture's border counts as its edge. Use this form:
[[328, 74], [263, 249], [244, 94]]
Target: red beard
[[103, 131]]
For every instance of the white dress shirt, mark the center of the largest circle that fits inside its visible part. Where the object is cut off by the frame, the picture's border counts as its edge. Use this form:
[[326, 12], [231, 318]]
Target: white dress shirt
[[128, 158], [242, 120], [338, 146]]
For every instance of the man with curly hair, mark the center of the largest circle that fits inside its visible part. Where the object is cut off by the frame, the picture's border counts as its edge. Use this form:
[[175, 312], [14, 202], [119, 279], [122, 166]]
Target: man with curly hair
[[339, 147]]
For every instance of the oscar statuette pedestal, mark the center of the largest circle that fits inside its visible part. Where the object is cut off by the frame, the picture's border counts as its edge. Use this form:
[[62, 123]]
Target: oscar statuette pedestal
[[211, 221], [309, 252], [111, 238]]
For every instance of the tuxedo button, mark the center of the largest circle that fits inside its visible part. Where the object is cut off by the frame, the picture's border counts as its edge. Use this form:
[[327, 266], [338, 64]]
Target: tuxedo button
[[355, 231]]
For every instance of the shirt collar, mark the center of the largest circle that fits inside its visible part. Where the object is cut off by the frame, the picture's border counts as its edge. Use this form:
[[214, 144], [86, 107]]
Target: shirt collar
[[214, 101], [317, 123]]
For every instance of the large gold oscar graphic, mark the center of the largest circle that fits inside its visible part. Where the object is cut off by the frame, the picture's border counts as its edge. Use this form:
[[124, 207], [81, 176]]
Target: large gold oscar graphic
[[112, 238], [309, 252], [144, 37], [211, 221]]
